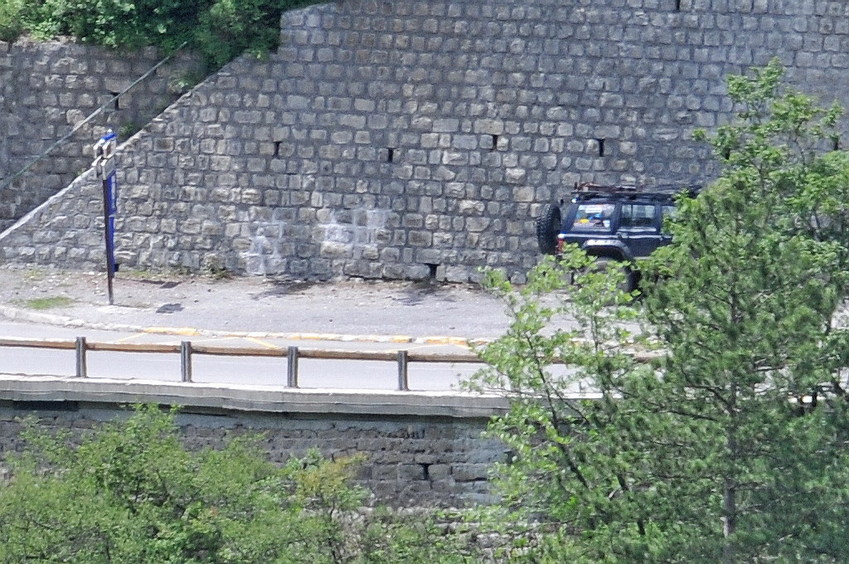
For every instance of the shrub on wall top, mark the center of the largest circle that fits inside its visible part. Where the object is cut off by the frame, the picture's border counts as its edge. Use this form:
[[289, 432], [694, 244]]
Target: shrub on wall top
[[10, 19], [219, 29]]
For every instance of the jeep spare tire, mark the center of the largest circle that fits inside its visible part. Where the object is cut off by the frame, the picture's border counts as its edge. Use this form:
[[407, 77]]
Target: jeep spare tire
[[548, 228]]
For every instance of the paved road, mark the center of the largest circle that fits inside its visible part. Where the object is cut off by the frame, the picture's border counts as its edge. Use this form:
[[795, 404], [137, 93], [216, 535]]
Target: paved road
[[245, 312], [262, 371], [250, 311], [348, 310]]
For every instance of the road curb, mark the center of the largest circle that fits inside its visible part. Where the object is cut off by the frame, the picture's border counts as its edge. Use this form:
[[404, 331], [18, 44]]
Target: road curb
[[17, 314]]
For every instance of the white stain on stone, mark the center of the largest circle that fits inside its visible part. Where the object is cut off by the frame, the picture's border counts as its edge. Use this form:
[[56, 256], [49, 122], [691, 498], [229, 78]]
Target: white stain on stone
[[353, 233], [339, 234], [268, 247]]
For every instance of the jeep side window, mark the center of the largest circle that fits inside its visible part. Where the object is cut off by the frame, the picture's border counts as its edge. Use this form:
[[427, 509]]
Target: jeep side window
[[637, 215], [593, 216]]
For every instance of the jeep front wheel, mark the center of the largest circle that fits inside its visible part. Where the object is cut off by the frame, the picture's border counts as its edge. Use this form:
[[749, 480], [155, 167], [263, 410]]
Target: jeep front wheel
[[548, 228]]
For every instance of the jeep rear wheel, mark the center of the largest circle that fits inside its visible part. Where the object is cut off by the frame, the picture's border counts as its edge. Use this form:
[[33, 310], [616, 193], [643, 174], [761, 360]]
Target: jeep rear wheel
[[629, 283], [548, 228]]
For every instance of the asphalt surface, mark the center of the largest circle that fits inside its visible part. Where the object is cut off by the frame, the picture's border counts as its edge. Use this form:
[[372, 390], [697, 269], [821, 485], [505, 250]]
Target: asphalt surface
[[344, 310]]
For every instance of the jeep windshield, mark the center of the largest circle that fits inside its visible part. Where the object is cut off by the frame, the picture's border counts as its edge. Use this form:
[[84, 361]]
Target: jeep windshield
[[591, 216]]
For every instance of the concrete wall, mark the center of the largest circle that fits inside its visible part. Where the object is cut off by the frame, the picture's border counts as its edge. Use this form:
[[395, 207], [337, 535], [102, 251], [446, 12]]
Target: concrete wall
[[47, 89], [418, 139]]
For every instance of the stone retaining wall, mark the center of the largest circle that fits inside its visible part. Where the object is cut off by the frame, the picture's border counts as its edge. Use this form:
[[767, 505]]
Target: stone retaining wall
[[411, 461], [46, 89], [418, 139]]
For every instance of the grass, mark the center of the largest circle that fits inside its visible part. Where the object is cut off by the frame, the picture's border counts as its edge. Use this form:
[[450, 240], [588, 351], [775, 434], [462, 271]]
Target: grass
[[48, 302]]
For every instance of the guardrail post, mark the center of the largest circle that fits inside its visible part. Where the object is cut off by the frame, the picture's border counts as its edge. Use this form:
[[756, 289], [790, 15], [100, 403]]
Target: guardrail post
[[186, 361], [82, 368], [403, 383], [292, 367]]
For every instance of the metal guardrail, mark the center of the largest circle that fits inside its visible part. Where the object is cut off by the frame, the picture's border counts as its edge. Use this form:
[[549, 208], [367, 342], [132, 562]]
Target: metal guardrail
[[292, 354]]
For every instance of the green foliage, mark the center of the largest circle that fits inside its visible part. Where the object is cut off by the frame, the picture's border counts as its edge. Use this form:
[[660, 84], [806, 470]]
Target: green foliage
[[710, 454], [781, 153], [129, 129], [747, 320], [219, 29], [130, 492], [571, 461], [49, 302], [11, 25], [229, 28], [392, 537]]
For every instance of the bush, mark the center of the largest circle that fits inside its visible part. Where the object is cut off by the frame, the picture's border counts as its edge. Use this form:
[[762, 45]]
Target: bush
[[131, 492], [229, 28], [219, 29], [11, 26]]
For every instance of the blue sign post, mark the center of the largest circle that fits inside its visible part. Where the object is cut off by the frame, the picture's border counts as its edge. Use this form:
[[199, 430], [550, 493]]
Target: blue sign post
[[104, 163]]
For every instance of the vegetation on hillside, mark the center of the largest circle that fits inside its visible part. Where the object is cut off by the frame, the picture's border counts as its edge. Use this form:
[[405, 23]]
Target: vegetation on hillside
[[218, 29]]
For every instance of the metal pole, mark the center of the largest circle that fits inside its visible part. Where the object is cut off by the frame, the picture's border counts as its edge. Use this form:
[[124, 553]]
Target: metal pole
[[104, 165], [82, 369], [186, 361], [110, 266], [403, 383], [292, 372]]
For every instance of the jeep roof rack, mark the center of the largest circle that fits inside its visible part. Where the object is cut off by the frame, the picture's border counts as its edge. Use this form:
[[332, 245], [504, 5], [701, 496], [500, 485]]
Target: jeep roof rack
[[603, 188], [589, 190], [693, 189]]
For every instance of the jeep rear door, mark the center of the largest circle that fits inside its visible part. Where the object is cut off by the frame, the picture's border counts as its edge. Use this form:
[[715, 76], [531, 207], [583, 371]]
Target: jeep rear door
[[639, 227]]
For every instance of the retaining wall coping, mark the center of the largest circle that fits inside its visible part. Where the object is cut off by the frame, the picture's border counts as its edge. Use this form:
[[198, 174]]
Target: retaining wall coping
[[17, 388]]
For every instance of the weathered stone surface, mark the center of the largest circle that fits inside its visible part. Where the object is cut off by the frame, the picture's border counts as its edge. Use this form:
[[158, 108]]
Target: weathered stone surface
[[391, 154], [46, 89], [408, 462]]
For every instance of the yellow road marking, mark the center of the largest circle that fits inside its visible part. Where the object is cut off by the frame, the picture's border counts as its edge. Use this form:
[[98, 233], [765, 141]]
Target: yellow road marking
[[130, 338], [184, 331], [262, 343]]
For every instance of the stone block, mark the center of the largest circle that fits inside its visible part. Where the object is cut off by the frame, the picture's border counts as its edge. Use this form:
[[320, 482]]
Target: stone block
[[469, 472]]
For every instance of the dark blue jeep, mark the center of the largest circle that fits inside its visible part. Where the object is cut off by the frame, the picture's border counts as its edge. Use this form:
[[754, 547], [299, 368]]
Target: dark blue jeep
[[613, 223]]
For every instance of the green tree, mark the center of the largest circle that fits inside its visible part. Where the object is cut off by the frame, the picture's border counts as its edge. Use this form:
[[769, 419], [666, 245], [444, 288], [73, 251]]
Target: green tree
[[747, 322], [727, 448], [570, 428]]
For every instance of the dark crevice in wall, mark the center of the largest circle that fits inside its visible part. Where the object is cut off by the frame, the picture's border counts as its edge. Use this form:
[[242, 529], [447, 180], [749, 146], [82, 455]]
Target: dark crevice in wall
[[494, 145], [390, 155], [600, 142], [425, 471], [432, 271], [277, 149], [115, 100], [45, 405]]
